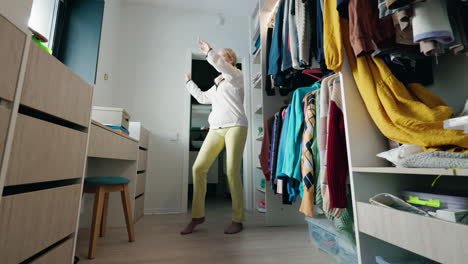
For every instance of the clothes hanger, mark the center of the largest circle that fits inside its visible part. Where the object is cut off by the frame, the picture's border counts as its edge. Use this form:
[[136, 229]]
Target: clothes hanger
[[310, 72]]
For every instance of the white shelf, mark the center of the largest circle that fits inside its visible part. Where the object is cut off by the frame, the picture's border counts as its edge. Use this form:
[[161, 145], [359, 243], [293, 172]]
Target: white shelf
[[420, 171], [258, 83], [261, 190], [256, 56], [259, 110], [432, 238]]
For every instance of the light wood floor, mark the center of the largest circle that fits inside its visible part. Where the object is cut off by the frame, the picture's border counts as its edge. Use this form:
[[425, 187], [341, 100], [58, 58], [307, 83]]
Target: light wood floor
[[158, 241]]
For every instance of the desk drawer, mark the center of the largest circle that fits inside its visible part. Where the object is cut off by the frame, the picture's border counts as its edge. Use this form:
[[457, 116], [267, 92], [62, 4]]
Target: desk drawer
[[11, 55], [144, 138], [44, 151], [106, 144], [139, 207], [61, 254], [53, 88], [4, 125], [31, 222], [141, 183], [142, 158]]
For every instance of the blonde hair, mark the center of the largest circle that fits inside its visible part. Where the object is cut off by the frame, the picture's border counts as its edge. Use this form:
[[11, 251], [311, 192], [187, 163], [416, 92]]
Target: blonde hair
[[231, 54]]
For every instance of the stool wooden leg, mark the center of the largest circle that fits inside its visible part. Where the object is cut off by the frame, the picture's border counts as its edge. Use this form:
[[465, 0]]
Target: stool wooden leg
[[105, 209], [97, 215], [128, 213]]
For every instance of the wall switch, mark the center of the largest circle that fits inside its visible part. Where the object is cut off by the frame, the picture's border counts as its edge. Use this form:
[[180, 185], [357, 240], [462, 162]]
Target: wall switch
[[106, 76]]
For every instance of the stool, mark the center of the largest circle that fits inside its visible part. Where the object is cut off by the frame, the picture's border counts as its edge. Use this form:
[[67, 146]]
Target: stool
[[101, 187]]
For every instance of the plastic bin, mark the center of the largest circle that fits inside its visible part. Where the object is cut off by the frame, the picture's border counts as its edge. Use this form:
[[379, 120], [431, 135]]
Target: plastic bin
[[432, 202], [381, 260], [324, 236], [347, 252]]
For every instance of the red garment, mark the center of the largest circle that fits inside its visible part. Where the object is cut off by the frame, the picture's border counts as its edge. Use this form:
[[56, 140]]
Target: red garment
[[265, 151], [337, 157], [366, 31]]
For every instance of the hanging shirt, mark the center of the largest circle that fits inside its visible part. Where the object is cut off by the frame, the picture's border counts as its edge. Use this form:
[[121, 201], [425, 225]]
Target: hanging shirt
[[286, 62], [226, 96], [282, 146], [293, 36], [333, 47], [274, 146], [310, 163], [292, 146], [337, 158], [275, 55], [319, 34], [265, 151]]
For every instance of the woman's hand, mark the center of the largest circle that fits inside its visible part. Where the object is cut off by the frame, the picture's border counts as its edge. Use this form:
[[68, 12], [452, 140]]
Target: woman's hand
[[188, 76], [204, 46]]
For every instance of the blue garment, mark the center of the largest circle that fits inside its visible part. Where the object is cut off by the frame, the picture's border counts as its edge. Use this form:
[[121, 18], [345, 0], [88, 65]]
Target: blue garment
[[274, 66], [319, 34], [286, 63], [257, 42], [293, 146], [282, 145]]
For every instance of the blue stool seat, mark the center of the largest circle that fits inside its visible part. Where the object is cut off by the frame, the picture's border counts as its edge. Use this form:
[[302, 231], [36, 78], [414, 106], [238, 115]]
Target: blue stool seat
[[97, 181]]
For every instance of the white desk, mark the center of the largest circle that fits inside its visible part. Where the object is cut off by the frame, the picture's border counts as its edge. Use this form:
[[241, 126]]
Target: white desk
[[110, 154]]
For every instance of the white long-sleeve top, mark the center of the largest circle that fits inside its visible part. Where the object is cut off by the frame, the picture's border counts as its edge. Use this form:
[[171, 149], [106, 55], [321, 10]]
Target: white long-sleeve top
[[226, 96]]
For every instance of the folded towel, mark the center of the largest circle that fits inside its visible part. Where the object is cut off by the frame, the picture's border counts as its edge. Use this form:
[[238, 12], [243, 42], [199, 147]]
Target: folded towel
[[436, 159], [431, 22]]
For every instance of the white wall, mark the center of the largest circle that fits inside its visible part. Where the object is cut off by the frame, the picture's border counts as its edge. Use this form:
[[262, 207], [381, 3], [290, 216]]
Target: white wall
[[108, 54], [41, 18], [149, 83]]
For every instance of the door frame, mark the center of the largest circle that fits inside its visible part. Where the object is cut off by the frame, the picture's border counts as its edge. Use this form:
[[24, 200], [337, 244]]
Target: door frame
[[185, 136]]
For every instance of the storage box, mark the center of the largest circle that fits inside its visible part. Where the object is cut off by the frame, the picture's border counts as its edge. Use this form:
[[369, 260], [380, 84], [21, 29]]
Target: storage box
[[432, 202], [140, 133], [111, 116], [324, 235]]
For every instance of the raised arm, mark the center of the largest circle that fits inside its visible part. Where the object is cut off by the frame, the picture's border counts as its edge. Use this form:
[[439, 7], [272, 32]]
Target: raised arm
[[229, 71], [194, 90]]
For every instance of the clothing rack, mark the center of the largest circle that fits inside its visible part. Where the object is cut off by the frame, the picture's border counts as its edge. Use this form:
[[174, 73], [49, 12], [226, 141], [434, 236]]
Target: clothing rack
[[370, 175]]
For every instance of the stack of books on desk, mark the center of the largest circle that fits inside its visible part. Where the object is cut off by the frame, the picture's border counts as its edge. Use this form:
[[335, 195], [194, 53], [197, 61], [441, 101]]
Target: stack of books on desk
[[119, 129]]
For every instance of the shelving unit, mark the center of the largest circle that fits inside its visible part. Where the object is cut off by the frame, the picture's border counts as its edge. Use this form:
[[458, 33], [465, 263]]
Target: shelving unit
[[258, 84], [390, 232], [257, 57], [263, 107], [259, 109], [421, 171], [379, 231]]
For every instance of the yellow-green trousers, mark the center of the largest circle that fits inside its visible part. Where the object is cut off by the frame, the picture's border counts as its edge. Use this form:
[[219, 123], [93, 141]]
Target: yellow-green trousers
[[233, 138]]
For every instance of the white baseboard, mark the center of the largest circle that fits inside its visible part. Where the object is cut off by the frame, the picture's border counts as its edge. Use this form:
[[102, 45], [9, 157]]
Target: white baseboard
[[160, 211]]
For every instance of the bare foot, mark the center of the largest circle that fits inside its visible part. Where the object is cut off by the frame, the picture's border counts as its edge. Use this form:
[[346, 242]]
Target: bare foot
[[191, 226], [234, 228]]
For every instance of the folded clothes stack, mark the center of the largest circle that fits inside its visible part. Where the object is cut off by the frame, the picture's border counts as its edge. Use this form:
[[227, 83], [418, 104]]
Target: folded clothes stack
[[119, 129]]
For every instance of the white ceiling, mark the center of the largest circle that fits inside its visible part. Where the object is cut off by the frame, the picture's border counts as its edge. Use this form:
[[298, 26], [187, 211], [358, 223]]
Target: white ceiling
[[228, 7]]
